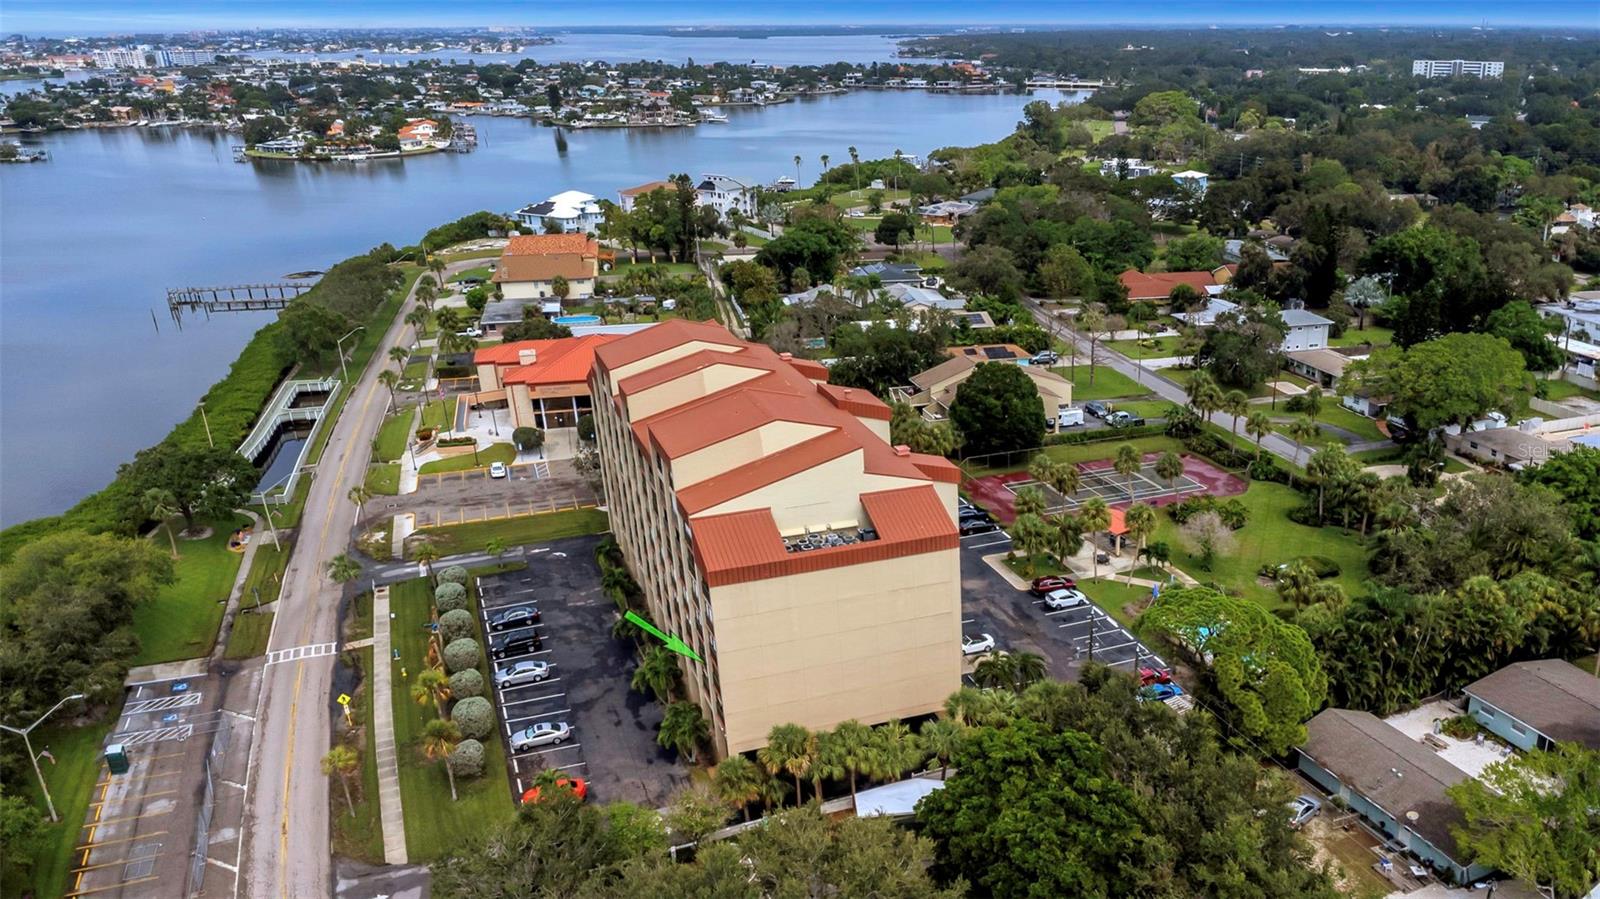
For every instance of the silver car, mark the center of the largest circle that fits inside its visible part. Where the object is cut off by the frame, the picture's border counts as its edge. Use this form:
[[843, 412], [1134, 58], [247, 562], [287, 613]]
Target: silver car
[[545, 733], [516, 674], [1303, 809]]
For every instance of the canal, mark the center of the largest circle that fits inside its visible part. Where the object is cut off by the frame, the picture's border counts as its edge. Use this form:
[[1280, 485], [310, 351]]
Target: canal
[[90, 242]]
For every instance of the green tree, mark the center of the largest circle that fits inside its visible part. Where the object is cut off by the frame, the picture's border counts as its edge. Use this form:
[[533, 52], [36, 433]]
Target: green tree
[[161, 505], [1031, 536], [432, 687], [942, 738], [439, 739], [1528, 332], [1302, 431], [1065, 272], [894, 228], [997, 409], [534, 326], [1575, 477], [560, 289], [559, 843], [342, 569], [694, 811], [23, 831], [1258, 425], [1197, 252], [203, 482], [1449, 380], [1297, 584], [1169, 467], [1237, 404], [658, 673], [1141, 521], [737, 781], [309, 331], [1127, 463], [1094, 517], [683, 727], [1438, 279], [790, 750], [342, 761]]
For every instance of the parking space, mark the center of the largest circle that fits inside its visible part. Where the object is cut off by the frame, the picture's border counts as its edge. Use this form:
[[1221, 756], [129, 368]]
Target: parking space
[[612, 739]]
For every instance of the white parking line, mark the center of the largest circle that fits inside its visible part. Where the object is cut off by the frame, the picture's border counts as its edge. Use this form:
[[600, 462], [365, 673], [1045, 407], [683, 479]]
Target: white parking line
[[571, 766], [526, 655], [540, 683], [968, 620], [1099, 648], [986, 545], [551, 749], [546, 715], [534, 699]]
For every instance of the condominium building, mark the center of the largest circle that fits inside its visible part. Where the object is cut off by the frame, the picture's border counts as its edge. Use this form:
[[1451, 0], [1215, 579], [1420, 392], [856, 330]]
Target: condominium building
[[1453, 68], [813, 567]]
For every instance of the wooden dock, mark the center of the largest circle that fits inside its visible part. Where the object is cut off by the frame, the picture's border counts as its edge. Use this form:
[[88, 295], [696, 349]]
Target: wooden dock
[[235, 298]]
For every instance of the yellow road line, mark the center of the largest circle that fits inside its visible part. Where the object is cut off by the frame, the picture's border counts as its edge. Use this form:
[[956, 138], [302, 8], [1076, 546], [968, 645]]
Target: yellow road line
[[288, 766], [133, 817], [142, 796], [114, 886], [142, 836]]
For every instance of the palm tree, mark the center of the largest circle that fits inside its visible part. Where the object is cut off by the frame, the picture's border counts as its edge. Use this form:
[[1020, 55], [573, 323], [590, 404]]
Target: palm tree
[[359, 494], [1028, 501], [1311, 401], [737, 781], [342, 569], [1028, 668], [436, 266], [431, 685], [1324, 467], [850, 742], [1141, 521], [797, 170], [994, 670], [426, 554], [343, 761], [1296, 584], [657, 673], [898, 158], [790, 749], [427, 294], [417, 319], [1067, 480], [1169, 467], [1095, 516], [963, 706], [496, 546], [161, 505], [824, 163], [895, 750], [1204, 394], [1068, 537], [439, 739], [1302, 431], [1091, 321], [1236, 403], [390, 378], [399, 354], [941, 738], [1042, 468], [1031, 536], [1258, 425], [855, 166], [1127, 464], [683, 728]]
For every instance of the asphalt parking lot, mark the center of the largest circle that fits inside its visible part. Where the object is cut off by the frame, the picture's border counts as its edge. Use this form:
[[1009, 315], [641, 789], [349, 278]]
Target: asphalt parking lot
[[1068, 639], [613, 741]]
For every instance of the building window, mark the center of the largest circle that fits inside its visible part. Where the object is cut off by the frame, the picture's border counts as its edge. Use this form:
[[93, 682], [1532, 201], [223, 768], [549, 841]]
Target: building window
[[1517, 727]]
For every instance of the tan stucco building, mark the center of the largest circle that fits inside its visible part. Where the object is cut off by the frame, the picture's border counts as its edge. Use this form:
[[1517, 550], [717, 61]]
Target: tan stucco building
[[530, 264], [813, 567], [543, 384], [931, 392]]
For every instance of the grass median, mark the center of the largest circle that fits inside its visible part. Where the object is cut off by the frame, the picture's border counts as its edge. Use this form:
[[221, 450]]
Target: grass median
[[474, 536], [359, 834], [483, 458]]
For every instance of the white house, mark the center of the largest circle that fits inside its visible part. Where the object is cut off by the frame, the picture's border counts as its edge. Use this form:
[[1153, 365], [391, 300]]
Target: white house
[[1194, 183], [726, 195], [568, 211], [1306, 330], [1126, 168]]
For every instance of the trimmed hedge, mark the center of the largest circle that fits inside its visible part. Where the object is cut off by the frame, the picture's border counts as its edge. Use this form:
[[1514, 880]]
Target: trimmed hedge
[[466, 760], [462, 654], [466, 683], [1104, 434], [455, 574], [450, 598], [455, 624], [474, 716]]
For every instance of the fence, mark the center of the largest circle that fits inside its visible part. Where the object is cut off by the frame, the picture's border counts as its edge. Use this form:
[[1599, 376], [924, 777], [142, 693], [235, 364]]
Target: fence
[[281, 409], [208, 802], [990, 463]]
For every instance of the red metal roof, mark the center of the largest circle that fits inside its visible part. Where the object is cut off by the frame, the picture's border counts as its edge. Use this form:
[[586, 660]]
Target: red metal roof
[[563, 360], [855, 401], [937, 467], [657, 338]]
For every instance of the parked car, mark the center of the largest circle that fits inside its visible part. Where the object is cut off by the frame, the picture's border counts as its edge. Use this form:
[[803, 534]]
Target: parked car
[[971, 646], [1160, 692], [1302, 809], [497, 470], [970, 526], [1045, 357], [578, 786], [514, 617], [1051, 583], [974, 512], [520, 673], [1123, 420], [1148, 676], [515, 643], [545, 733], [1097, 408], [1056, 600], [470, 332]]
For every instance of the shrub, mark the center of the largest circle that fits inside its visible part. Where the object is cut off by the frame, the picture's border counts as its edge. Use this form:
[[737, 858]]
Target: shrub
[[455, 574], [454, 625], [1265, 469], [1067, 438], [474, 716], [527, 439], [586, 427], [425, 434], [457, 441], [1462, 727], [466, 760], [466, 683], [462, 654], [449, 597]]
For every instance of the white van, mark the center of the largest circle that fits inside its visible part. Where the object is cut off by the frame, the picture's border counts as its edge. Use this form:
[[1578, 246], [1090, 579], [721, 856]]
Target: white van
[[1068, 417]]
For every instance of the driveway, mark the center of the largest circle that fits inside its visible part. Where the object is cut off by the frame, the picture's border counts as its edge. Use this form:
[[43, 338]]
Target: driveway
[[472, 495]]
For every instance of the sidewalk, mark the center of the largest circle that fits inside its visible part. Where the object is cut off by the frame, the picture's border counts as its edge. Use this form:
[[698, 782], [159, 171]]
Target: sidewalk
[[389, 809]]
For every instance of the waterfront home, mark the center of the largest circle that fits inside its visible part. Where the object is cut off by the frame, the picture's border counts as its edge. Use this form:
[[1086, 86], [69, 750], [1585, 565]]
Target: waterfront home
[[1395, 784], [568, 211], [629, 196], [1126, 168], [726, 195], [1534, 705], [543, 383], [417, 134], [530, 264]]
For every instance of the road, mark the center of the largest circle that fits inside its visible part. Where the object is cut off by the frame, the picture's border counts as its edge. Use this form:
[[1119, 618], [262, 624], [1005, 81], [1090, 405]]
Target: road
[[285, 849], [1274, 443]]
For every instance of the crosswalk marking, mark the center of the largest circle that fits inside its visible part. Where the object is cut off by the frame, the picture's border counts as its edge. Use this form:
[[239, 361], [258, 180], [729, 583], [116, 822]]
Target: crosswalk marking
[[309, 651]]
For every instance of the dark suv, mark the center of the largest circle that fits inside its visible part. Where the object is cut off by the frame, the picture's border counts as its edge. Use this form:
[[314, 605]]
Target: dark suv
[[1097, 408], [515, 643]]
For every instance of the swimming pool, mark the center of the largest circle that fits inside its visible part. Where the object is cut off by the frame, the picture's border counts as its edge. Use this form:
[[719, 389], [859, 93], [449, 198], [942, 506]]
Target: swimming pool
[[577, 319]]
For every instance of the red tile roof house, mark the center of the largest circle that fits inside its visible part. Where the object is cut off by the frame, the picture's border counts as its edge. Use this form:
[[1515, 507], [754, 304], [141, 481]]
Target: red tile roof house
[[530, 264], [544, 384], [1157, 286]]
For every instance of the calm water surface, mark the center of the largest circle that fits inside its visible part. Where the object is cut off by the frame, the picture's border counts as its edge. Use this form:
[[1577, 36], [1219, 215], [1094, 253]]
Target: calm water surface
[[90, 242]]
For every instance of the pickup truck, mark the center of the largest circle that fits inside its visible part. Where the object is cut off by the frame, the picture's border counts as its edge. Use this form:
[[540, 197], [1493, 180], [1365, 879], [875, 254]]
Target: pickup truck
[[1123, 420]]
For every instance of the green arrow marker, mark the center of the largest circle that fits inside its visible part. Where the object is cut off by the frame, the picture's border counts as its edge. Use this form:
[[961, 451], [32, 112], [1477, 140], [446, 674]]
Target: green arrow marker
[[673, 643]]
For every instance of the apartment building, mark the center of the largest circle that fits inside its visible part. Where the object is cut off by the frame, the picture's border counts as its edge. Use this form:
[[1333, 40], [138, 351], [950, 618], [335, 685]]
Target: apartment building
[[1454, 68], [813, 567]]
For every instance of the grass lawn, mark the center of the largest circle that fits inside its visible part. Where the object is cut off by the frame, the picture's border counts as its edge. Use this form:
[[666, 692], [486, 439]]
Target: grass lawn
[[1108, 383], [249, 636], [73, 780], [1147, 348], [359, 836], [384, 479], [390, 443], [460, 538], [1036, 566], [849, 199], [1556, 390], [1142, 408], [415, 371], [1115, 596], [1271, 538], [439, 414], [182, 622], [1182, 377], [494, 452], [1337, 415], [624, 264], [481, 273], [434, 825], [448, 256], [1372, 334]]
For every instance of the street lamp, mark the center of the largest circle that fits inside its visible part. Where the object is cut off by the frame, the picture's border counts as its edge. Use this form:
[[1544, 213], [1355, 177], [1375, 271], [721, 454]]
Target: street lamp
[[339, 344], [207, 422], [267, 511], [25, 731]]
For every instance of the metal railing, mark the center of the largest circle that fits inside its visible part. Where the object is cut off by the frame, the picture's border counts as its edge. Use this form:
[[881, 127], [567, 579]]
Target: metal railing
[[281, 409]]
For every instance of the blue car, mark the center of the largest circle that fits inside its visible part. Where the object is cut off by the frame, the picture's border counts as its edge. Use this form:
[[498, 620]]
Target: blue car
[[1160, 692]]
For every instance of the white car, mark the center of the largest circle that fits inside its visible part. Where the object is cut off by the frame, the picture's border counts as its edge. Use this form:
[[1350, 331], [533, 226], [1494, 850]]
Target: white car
[[519, 673], [1056, 600], [545, 733], [971, 646], [497, 470]]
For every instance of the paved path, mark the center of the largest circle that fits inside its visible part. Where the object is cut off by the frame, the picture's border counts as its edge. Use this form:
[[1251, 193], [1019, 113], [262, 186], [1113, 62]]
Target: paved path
[[258, 533], [389, 808]]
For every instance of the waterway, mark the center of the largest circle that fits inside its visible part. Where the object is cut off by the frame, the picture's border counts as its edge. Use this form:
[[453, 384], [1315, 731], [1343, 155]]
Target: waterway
[[91, 240]]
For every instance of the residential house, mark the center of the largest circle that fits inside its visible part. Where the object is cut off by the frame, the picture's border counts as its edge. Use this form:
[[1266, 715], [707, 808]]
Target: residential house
[[946, 212], [529, 265], [544, 383], [922, 299], [1363, 402], [1157, 286], [978, 197], [1534, 705], [1206, 315], [417, 134], [499, 314], [1321, 366], [1193, 183], [726, 195], [1126, 168], [1512, 447], [1306, 330], [1233, 251], [890, 272], [813, 568], [931, 392], [628, 196], [568, 211], [1395, 784]]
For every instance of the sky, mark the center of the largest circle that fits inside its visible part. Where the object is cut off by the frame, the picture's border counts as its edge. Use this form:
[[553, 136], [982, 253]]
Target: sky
[[58, 17]]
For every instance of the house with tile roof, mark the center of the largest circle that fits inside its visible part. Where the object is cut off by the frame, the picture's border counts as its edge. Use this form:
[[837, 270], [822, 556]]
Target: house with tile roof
[[529, 265], [931, 392], [544, 384], [812, 567], [1157, 286], [628, 196]]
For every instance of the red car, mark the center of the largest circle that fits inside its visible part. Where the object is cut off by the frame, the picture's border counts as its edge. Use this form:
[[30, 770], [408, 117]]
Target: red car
[[578, 786], [1148, 676], [1050, 584]]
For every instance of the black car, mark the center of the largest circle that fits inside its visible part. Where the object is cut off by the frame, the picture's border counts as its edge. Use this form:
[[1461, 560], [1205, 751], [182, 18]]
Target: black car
[[973, 512], [970, 526], [1096, 408], [515, 643], [514, 617]]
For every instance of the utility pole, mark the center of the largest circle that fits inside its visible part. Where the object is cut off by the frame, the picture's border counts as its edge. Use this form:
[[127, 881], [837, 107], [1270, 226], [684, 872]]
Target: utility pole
[[339, 347], [28, 742]]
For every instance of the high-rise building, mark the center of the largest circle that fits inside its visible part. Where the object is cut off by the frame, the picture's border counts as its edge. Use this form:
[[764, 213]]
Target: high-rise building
[[813, 567], [1453, 68], [120, 58], [189, 57]]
